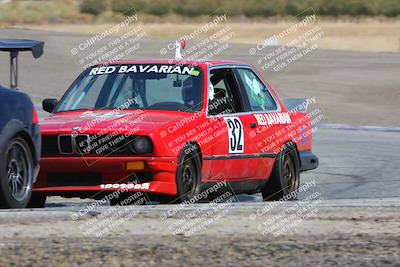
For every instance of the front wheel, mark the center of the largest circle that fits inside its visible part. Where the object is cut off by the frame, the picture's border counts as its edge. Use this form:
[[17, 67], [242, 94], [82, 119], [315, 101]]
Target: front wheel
[[285, 176], [16, 174], [188, 173]]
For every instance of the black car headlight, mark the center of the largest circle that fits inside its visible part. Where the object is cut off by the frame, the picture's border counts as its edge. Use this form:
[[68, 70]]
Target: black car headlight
[[141, 145]]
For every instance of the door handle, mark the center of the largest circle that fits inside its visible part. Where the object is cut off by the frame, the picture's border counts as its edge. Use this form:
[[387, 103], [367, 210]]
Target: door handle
[[253, 125]]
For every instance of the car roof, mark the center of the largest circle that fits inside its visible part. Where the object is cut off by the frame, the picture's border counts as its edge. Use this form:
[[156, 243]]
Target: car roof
[[175, 61]]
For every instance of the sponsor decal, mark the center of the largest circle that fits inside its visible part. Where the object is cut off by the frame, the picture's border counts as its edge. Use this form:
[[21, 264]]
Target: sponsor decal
[[195, 72], [273, 118], [168, 69], [144, 186]]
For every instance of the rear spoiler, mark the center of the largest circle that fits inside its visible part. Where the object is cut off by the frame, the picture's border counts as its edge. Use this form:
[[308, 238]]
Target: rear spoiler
[[296, 104], [14, 46]]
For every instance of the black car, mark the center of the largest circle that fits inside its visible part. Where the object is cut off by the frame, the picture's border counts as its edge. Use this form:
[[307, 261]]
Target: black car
[[19, 133]]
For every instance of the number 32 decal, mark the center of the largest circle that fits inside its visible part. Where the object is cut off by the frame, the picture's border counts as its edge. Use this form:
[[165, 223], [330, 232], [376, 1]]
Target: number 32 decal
[[236, 135]]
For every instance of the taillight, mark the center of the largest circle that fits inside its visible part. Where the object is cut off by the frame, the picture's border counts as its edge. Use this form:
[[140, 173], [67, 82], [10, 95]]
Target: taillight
[[35, 118]]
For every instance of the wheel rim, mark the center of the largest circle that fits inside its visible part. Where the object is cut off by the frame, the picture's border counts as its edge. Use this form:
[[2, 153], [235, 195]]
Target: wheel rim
[[289, 173], [188, 178], [19, 172]]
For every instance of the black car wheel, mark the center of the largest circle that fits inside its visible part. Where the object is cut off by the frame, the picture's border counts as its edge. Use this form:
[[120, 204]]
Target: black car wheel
[[285, 176], [188, 173], [16, 174]]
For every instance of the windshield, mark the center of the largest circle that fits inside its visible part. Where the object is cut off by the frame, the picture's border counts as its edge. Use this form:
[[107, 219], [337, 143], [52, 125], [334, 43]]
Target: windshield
[[156, 87]]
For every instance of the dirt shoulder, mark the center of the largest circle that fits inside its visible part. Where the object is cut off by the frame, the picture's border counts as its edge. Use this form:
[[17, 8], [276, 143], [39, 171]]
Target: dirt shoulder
[[226, 250], [335, 235]]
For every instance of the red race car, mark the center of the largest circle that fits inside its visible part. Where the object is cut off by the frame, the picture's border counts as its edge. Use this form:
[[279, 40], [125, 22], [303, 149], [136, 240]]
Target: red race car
[[171, 129]]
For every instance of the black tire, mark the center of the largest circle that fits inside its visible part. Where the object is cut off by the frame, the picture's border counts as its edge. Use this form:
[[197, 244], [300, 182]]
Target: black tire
[[37, 201], [16, 174], [285, 176], [188, 174]]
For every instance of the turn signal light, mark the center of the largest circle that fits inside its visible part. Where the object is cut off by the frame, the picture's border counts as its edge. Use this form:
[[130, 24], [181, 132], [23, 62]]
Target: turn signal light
[[135, 166]]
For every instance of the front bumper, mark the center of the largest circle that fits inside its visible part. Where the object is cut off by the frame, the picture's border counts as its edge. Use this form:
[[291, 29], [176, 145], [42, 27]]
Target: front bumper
[[66, 175]]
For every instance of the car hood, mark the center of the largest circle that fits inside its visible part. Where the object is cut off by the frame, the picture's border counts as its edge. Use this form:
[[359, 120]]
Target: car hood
[[108, 122]]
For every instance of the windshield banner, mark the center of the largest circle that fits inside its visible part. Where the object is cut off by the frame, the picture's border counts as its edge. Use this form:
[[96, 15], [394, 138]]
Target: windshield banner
[[168, 69]]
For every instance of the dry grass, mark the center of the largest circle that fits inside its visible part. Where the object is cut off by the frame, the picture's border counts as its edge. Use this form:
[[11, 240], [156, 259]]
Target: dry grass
[[370, 36]]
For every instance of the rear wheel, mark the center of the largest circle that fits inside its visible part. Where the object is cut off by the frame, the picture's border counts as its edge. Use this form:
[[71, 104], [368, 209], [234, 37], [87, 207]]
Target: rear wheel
[[285, 176], [16, 174]]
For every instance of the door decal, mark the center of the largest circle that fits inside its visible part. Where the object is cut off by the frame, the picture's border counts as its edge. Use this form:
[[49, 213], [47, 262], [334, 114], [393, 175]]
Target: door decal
[[273, 118], [236, 134]]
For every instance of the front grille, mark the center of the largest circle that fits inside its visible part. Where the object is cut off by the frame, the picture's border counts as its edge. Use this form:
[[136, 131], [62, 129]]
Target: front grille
[[73, 179], [87, 145], [65, 145], [82, 145], [50, 145]]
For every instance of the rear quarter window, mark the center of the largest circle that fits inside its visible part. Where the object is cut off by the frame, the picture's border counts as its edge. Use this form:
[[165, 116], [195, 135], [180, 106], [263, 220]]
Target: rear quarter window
[[259, 97]]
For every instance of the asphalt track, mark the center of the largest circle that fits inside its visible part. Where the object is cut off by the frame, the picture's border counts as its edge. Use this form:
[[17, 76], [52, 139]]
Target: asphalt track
[[354, 162]]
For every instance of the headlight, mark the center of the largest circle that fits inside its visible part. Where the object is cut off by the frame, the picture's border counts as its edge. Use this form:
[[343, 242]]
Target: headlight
[[142, 145]]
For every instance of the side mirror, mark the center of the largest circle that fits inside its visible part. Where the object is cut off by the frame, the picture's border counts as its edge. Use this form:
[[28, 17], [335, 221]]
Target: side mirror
[[49, 104]]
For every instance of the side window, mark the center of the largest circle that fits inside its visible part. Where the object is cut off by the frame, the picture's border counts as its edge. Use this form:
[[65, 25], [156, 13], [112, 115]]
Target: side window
[[260, 99], [223, 94]]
